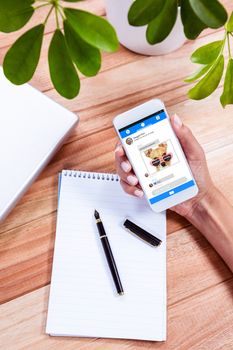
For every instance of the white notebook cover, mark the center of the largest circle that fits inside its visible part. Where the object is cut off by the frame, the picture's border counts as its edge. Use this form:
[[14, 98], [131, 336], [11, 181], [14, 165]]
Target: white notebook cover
[[32, 128], [83, 301]]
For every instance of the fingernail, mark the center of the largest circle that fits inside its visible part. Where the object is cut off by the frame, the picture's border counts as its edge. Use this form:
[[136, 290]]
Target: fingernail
[[177, 121], [125, 167], [132, 180], [138, 193], [118, 148]]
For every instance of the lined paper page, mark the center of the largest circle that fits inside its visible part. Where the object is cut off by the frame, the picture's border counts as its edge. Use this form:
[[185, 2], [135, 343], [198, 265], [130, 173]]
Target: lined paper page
[[83, 299]]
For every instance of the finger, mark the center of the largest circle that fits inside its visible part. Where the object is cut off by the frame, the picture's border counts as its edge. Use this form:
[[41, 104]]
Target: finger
[[189, 143], [132, 190], [122, 161], [124, 168], [119, 149], [130, 177]]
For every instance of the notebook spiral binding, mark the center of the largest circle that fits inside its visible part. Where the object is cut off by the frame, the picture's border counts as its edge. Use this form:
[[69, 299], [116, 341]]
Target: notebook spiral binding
[[90, 175]]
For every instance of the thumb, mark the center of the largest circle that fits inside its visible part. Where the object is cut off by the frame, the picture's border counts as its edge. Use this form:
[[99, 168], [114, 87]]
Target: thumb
[[189, 143]]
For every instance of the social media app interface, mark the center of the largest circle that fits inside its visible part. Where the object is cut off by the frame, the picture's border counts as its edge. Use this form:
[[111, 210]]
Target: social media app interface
[[156, 153]]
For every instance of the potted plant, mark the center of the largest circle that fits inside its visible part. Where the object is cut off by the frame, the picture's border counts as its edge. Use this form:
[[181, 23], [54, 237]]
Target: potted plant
[[211, 59], [160, 21], [79, 37], [76, 44], [130, 19]]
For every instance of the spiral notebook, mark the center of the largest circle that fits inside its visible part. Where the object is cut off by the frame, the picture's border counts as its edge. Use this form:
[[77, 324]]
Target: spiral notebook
[[83, 301]]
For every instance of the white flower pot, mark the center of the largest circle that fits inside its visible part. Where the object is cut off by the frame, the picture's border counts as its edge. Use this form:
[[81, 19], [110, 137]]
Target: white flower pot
[[134, 38]]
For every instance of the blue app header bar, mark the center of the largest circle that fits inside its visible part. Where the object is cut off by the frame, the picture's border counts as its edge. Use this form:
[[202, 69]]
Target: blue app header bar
[[148, 121]]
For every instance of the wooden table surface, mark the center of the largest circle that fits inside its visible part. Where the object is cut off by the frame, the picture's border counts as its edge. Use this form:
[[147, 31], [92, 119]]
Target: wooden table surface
[[200, 286]]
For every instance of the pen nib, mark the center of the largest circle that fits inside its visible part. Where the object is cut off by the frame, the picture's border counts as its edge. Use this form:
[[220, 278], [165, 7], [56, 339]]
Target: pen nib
[[97, 216]]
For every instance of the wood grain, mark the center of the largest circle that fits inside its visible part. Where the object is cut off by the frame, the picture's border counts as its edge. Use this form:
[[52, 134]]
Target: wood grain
[[200, 286], [203, 320]]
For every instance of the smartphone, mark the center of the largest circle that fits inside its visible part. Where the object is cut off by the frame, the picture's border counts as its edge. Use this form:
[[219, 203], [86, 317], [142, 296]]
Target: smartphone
[[156, 155]]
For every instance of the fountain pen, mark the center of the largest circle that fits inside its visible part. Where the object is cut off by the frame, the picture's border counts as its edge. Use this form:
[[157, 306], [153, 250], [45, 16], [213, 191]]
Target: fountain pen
[[108, 254]]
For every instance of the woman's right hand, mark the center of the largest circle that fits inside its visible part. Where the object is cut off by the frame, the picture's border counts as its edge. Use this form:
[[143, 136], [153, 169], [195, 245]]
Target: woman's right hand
[[196, 159]]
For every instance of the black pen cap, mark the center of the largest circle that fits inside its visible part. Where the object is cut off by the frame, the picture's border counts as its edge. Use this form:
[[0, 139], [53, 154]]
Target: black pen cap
[[141, 233]]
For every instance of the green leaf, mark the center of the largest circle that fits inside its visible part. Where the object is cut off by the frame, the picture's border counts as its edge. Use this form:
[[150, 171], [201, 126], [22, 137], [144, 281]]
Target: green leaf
[[210, 12], [142, 12], [207, 53], [227, 95], [230, 23], [209, 83], [161, 26], [193, 26], [198, 74], [86, 57], [93, 29], [22, 58], [14, 14], [62, 71]]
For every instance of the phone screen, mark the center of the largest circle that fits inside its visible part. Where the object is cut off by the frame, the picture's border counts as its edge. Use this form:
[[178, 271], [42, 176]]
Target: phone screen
[[157, 157]]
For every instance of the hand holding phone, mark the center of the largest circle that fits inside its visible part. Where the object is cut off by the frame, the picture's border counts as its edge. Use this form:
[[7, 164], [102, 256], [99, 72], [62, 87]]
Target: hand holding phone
[[156, 155]]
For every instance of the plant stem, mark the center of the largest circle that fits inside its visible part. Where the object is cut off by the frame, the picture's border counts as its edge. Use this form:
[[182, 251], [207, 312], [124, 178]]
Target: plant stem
[[49, 13], [45, 1], [60, 10], [229, 46], [223, 45], [39, 6], [56, 14]]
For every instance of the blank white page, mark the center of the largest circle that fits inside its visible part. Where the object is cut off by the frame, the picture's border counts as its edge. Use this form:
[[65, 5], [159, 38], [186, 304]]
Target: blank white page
[[83, 299]]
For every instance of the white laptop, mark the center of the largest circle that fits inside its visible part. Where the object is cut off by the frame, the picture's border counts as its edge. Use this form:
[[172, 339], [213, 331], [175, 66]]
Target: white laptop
[[32, 129]]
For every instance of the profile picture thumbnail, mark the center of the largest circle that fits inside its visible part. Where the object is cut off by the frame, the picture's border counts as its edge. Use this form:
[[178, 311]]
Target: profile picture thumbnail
[[129, 141]]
